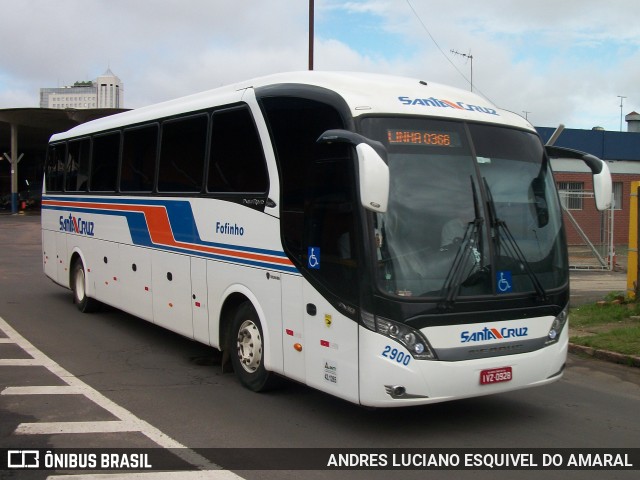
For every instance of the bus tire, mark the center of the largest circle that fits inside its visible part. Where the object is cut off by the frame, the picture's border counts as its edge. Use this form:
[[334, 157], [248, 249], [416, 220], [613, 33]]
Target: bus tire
[[246, 349], [79, 287]]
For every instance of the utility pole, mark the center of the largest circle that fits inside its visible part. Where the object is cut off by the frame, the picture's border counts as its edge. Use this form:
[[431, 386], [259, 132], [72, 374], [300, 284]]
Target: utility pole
[[311, 22], [470, 57], [621, 99], [526, 114]]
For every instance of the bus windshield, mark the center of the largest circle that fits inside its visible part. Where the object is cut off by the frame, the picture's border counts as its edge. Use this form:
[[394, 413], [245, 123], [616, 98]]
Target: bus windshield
[[472, 211]]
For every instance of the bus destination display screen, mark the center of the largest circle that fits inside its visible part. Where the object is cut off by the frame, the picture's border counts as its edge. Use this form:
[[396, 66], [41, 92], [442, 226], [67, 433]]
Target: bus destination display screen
[[423, 137]]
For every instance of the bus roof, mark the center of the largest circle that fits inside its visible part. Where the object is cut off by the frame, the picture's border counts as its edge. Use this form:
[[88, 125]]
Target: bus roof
[[364, 93]]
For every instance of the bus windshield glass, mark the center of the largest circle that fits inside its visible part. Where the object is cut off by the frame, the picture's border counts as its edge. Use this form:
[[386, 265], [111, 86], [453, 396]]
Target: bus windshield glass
[[472, 211]]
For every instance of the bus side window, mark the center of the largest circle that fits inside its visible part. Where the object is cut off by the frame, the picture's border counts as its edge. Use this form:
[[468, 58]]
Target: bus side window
[[138, 166], [77, 168], [104, 162], [54, 169], [182, 152], [236, 163]]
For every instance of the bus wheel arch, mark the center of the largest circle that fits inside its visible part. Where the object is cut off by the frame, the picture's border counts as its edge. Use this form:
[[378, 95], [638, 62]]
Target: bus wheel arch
[[242, 335], [78, 284]]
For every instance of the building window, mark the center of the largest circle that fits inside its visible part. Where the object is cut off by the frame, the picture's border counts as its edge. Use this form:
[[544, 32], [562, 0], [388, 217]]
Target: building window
[[617, 195], [571, 194]]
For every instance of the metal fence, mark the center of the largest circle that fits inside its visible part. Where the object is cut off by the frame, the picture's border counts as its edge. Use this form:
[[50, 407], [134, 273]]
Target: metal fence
[[591, 244]]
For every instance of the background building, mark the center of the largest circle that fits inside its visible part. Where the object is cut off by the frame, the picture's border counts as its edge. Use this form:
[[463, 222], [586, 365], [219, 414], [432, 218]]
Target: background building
[[107, 91], [621, 150]]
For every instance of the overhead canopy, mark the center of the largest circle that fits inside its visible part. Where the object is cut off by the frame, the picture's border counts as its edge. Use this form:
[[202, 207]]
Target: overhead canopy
[[36, 125]]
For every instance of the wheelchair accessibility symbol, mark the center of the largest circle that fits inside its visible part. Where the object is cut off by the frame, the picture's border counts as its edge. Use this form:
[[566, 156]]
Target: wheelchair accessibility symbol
[[313, 258], [505, 284]]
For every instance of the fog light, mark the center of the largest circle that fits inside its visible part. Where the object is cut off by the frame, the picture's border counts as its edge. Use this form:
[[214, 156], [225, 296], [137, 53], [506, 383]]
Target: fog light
[[395, 391], [399, 391]]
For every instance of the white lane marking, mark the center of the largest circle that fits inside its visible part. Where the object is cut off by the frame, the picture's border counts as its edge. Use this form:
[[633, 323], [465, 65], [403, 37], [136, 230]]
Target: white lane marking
[[126, 417], [41, 390], [54, 428], [19, 362]]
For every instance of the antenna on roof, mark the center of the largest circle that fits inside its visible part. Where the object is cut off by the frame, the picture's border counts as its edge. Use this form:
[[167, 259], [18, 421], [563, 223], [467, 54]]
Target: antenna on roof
[[621, 99], [468, 56]]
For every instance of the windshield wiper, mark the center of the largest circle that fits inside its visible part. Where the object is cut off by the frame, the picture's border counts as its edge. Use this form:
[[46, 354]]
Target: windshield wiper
[[511, 245], [469, 245]]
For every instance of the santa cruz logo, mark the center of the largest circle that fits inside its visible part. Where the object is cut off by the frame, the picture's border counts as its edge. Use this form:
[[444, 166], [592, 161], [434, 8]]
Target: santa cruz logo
[[77, 225], [493, 334], [434, 102]]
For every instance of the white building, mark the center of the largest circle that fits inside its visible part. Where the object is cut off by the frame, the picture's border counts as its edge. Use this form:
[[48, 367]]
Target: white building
[[110, 91], [107, 91]]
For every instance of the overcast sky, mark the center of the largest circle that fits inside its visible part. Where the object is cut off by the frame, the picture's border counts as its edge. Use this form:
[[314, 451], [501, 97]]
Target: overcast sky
[[561, 61]]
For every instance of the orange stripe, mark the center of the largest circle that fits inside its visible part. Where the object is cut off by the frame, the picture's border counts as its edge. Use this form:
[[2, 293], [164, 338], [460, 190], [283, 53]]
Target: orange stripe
[[161, 233], [452, 105]]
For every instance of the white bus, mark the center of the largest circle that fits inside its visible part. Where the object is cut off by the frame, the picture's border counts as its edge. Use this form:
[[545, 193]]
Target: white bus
[[386, 240]]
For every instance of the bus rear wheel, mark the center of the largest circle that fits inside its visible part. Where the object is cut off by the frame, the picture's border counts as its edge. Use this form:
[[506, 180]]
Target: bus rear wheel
[[79, 288], [247, 350]]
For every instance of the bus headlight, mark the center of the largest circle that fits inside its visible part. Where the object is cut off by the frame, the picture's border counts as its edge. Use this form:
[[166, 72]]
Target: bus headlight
[[410, 338], [556, 327]]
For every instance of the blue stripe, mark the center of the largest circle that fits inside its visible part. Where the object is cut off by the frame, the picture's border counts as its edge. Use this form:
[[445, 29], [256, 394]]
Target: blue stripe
[[182, 224]]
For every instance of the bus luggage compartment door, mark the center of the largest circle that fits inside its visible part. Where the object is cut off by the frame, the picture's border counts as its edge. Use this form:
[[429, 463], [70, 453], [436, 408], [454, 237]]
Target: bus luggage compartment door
[[171, 284]]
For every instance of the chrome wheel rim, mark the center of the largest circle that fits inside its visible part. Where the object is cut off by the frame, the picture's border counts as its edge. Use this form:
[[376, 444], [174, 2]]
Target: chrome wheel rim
[[79, 285], [249, 346]]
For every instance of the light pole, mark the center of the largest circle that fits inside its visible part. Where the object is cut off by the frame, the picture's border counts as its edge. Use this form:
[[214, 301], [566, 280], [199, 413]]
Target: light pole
[[311, 22]]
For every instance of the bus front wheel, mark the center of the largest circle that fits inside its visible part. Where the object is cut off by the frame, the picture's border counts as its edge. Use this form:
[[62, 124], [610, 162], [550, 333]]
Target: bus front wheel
[[247, 350], [79, 287]]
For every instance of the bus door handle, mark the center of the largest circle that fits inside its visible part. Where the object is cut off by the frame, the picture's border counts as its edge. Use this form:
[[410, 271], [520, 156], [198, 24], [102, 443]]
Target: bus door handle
[[311, 309]]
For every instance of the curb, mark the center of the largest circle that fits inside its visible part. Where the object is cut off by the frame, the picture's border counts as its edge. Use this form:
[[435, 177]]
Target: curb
[[613, 357]]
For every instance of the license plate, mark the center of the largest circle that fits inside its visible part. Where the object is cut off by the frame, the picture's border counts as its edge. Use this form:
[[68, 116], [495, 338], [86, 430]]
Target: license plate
[[495, 375]]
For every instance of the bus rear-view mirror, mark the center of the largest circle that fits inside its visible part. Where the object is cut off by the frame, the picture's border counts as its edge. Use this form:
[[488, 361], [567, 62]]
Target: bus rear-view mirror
[[373, 171], [602, 185]]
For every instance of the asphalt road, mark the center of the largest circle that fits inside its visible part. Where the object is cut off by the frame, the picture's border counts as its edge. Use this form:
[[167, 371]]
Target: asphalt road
[[152, 387], [588, 286]]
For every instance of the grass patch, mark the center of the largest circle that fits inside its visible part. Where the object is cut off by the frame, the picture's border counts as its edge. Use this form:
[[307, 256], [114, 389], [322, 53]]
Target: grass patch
[[613, 327], [625, 340]]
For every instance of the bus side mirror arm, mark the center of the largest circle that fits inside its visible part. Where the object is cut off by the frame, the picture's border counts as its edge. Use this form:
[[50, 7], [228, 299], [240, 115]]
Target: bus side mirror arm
[[373, 171], [602, 184]]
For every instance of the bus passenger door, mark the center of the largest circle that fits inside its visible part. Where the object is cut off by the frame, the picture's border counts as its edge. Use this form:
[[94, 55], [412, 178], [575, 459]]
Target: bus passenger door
[[330, 257], [318, 230]]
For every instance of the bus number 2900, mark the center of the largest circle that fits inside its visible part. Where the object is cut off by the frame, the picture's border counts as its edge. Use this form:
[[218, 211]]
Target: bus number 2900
[[395, 354]]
